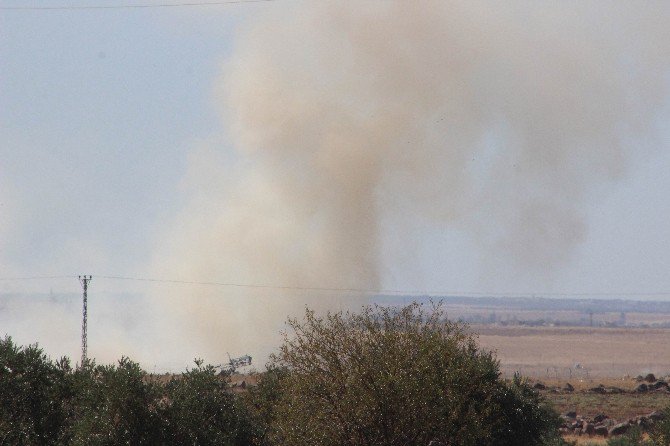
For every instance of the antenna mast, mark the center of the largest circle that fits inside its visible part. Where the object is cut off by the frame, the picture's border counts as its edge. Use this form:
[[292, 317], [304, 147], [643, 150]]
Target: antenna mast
[[84, 280]]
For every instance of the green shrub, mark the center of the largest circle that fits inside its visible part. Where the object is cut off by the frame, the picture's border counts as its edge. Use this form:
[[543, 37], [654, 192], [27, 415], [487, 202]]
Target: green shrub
[[521, 417], [634, 437], [262, 400], [34, 396], [198, 409], [660, 433], [398, 377], [115, 405]]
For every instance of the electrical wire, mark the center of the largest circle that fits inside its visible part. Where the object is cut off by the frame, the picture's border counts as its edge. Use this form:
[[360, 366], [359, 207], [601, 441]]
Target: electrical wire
[[377, 291], [36, 278], [137, 6]]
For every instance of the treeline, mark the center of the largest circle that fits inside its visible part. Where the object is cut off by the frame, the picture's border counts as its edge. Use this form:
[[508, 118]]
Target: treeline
[[379, 377], [47, 403], [597, 306]]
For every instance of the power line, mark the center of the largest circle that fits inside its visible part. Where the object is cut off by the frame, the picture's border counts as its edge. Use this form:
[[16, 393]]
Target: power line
[[35, 278], [408, 292], [137, 6], [384, 291], [249, 285]]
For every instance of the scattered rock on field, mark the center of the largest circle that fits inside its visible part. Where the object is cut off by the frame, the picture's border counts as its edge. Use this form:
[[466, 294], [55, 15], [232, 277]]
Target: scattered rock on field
[[599, 389]]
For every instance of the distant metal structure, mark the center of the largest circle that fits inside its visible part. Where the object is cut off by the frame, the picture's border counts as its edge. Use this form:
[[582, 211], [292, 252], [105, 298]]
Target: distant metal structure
[[236, 363], [84, 280]]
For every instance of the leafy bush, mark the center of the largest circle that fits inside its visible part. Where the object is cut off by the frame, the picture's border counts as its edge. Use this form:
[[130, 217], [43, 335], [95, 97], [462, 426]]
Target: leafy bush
[[198, 409], [115, 405], [42, 403], [33, 395], [398, 377], [262, 400], [522, 417], [634, 437], [660, 433]]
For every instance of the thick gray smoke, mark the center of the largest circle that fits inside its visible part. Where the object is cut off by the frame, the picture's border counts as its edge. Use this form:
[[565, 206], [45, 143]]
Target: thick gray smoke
[[497, 117]]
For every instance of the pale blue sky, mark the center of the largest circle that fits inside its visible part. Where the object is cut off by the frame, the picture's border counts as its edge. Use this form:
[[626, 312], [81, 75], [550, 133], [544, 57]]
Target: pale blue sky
[[100, 109]]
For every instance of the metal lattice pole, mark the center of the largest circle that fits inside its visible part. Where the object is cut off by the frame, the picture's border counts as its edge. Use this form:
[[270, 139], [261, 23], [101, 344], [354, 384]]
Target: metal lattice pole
[[84, 280]]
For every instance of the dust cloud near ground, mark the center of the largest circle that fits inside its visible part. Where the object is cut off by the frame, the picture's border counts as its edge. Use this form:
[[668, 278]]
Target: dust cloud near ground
[[495, 119]]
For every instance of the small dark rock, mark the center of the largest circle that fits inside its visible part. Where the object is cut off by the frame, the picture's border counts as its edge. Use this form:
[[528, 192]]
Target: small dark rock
[[600, 418], [619, 429], [642, 421], [650, 378], [588, 429], [656, 416], [641, 388], [658, 385], [539, 386], [601, 430], [571, 414]]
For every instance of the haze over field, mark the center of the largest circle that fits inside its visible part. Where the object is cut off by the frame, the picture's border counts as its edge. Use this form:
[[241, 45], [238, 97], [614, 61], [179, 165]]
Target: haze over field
[[469, 147]]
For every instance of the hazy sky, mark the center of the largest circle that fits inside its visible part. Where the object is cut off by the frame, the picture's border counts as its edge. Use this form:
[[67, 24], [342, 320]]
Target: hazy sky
[[105, 116]]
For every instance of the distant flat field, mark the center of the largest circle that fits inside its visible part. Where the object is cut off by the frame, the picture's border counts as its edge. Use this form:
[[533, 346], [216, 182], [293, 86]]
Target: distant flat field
[[578, 352]]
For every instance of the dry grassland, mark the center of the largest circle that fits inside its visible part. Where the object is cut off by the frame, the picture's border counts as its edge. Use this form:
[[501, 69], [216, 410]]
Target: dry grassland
[[612, 357], [546, 352], [618, 406]]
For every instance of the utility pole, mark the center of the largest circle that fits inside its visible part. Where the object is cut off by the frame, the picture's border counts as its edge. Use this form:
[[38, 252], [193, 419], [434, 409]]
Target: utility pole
[[84, 280]]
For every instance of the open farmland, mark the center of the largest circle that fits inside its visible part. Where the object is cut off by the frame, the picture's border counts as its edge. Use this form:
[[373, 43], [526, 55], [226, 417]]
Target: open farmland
[[587, 358], [578, 352]]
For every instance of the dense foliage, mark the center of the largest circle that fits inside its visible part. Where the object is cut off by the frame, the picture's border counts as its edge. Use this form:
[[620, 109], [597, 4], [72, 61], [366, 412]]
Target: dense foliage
[[396, 377], [42, 403], [379, 377], [34, 396], [660, 433]]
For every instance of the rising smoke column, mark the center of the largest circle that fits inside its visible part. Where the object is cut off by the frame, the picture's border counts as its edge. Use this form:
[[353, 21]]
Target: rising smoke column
[[499, 118]]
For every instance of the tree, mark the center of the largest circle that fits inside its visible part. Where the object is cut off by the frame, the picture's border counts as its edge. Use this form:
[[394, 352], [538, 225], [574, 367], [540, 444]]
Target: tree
[[199, 409], [34, 395], [398, 377], [262, 401], [115, 405]]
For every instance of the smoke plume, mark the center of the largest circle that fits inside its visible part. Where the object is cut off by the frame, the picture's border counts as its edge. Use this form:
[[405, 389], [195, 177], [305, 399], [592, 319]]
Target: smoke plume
[[497, 118]]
